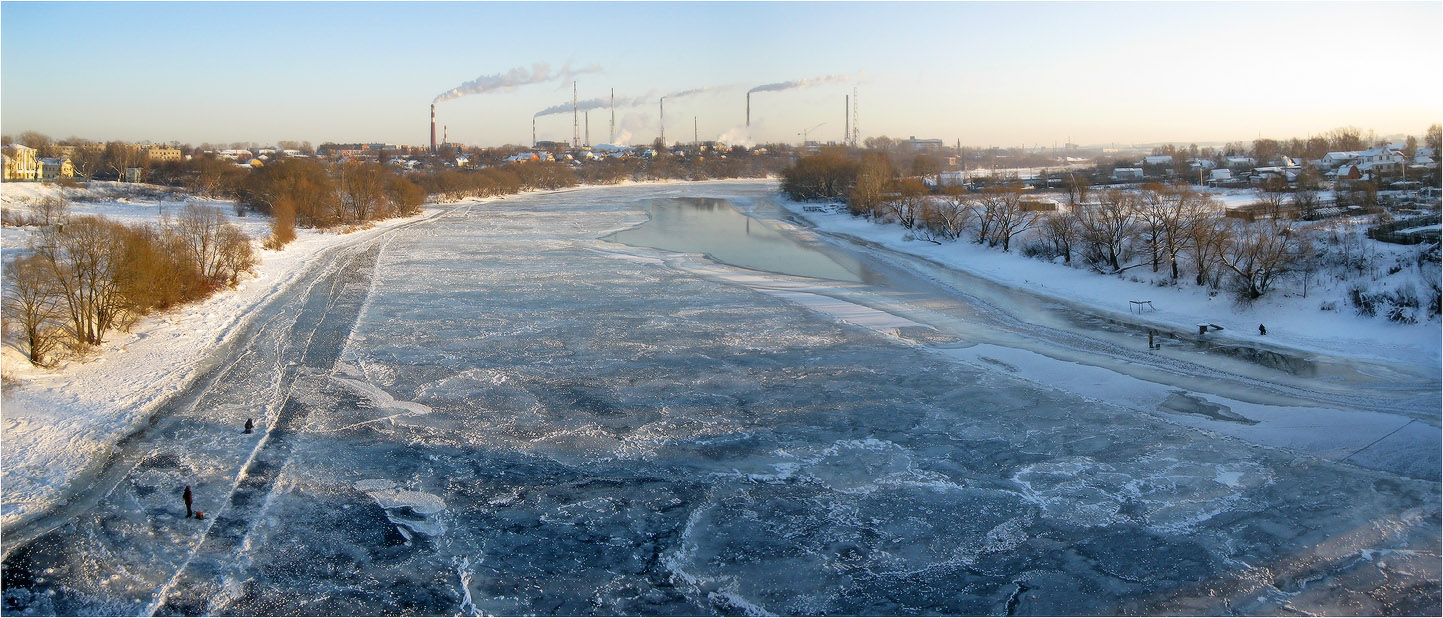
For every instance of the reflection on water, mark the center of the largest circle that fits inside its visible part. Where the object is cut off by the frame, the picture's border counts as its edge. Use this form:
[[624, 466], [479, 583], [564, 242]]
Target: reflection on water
[[714, 228]]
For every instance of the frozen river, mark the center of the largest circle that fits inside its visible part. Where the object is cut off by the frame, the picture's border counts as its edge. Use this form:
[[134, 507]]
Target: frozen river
[[505, 409]]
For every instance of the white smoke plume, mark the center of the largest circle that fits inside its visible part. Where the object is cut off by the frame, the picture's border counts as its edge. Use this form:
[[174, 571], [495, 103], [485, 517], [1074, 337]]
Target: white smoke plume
[[590, 104], [693, 91], [633, 124], [739, 135], [800, 83], [539, 72]]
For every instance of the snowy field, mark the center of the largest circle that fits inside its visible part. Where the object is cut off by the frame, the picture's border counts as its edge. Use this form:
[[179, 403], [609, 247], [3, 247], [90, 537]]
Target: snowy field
[[500, 408]]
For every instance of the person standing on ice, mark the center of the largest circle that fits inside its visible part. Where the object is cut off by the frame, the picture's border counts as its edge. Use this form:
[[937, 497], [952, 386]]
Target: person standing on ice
[[1262, 330], [187, 497], [250, 426]]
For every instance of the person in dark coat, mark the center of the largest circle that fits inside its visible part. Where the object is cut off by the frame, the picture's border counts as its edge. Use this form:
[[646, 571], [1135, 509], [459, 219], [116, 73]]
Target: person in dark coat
[[1262, 330], [250, 425], [187, 497]]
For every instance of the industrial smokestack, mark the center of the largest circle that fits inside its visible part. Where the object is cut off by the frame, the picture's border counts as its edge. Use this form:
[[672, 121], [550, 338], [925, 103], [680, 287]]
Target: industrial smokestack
[[611, 139], [433, 127], [749, 109], [575, 120], [663, 122], [588, 127], [847, 121], [533, 131]]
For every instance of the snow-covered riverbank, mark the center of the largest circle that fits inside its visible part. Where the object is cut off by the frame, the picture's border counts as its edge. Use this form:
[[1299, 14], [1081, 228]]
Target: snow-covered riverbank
[[58, 423], [1292, 320]]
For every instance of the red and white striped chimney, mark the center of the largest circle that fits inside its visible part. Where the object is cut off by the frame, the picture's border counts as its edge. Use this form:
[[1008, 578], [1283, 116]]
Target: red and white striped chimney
[[433, 127]]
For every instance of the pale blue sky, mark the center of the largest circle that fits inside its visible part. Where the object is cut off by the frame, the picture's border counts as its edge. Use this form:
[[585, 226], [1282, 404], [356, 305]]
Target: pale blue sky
[[985, 73]]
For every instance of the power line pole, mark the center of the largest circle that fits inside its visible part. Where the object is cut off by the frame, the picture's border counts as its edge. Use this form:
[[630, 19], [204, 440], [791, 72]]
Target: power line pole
[[856, 129]]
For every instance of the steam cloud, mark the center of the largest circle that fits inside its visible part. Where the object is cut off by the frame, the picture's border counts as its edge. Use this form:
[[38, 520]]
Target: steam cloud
[[800, 83], [590, 104], [540, 72]]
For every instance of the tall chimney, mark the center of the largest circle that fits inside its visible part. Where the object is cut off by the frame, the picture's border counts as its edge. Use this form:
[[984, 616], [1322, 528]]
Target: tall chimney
[[588, 127], [575, 120], [847, 122], [533, 131], [663, 122], [749, 109], [433, 127], [611, 139]]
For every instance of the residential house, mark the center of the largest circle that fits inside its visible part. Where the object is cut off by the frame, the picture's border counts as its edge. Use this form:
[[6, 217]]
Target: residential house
[[54, 168], [1334, 159], [1127, 173]]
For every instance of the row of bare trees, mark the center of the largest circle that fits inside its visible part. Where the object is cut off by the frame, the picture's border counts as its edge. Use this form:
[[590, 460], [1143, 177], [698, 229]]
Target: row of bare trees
[[1168, 228], [309, 193], [85, 275]]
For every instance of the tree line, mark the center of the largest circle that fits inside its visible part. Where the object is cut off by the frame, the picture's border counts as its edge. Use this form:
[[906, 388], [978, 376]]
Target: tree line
[[1174, 229], [84, 276]]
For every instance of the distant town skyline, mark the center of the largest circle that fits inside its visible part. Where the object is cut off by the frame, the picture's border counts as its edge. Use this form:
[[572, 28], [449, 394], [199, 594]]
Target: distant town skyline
[[982, 74]]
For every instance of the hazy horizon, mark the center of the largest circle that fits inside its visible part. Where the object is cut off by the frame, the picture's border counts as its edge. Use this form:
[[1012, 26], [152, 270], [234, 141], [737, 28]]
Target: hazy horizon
[[984, 74]]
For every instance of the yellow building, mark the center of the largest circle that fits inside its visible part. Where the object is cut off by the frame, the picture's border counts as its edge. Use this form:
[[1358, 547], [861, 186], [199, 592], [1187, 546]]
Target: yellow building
[[20, 163], [156, 154], [54, 168]]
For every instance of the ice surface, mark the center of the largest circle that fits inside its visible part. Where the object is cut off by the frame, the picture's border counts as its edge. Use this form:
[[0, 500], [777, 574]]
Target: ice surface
[[657, 434]]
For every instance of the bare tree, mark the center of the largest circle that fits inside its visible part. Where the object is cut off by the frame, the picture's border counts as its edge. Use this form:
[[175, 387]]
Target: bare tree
[[865, 196], [236, 255], [1077, 188], [87, 159], [985, 208], [904, 202], [1062, 231], [1011, 218], [1165, 211], [950, 212], [1107, 226], [1155, 206], [1345, 138], [1306, 196], [120, 156], [83, 257], [32, 304], [51, 211], [363, 189], [1257, 254], [197, 230], [1272, 195], [1207, 235]]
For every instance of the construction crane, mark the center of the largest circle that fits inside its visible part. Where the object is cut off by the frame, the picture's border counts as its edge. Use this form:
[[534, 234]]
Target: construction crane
[[806, 131]]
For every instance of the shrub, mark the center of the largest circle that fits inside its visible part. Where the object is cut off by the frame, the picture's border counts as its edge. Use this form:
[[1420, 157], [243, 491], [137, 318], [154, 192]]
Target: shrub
[[1365, 303]]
